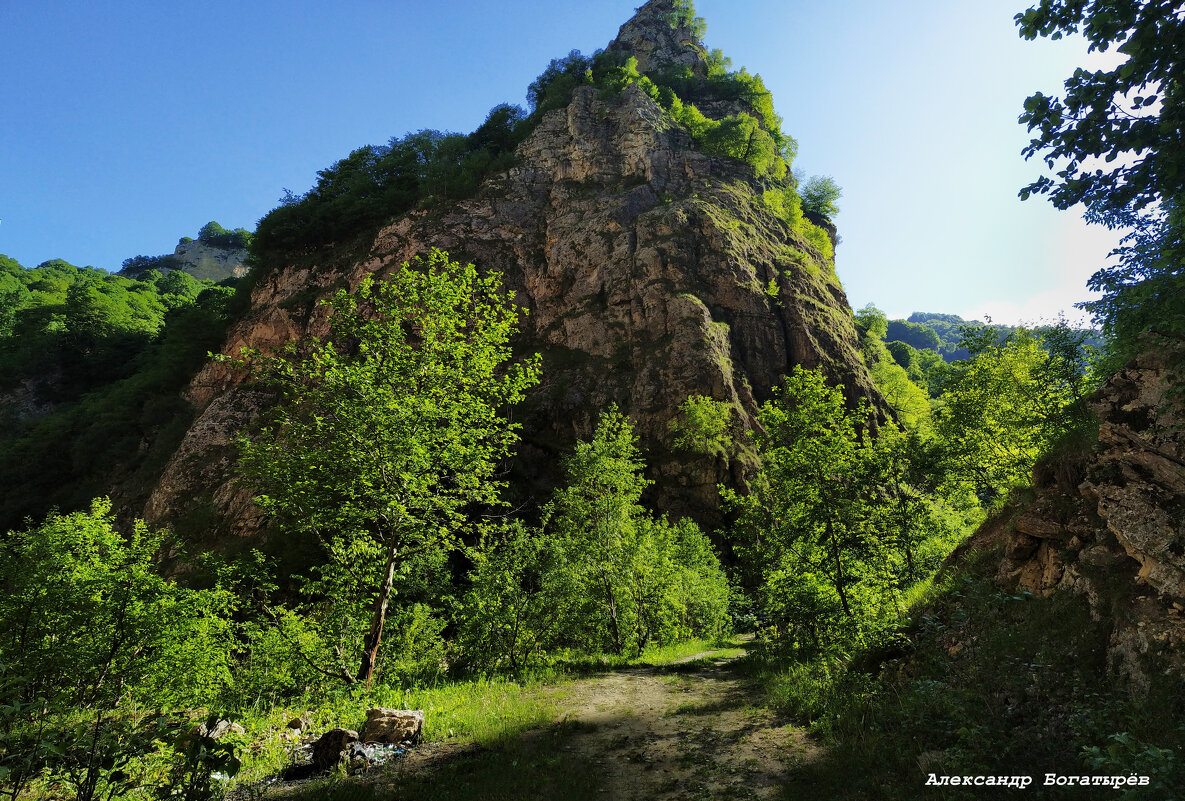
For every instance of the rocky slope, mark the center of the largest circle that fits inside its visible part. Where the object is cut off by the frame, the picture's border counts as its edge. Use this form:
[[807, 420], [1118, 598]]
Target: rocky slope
[[650, 272], [1110, 525]]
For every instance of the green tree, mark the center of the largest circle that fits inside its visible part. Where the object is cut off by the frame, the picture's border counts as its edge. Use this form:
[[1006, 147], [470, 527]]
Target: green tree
[[598, 515], [909, 402], [919, 336], [703, 426], [91, 637], [387, 431], [1117, 142], [741, 137], [601, 574], [1006, 406], [1116, 133], [520, 601], [820, 194], [810, 509]]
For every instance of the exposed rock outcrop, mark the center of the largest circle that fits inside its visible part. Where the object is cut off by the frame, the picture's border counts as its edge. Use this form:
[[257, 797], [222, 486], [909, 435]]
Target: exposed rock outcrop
[[1111, 527], [203, 260], [208, 263], [650, 272], [332, 747]]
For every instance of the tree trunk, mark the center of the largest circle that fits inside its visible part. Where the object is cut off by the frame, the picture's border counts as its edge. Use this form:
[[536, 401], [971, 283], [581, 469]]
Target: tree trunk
[[839, 577], [617, 642], [382, 599]]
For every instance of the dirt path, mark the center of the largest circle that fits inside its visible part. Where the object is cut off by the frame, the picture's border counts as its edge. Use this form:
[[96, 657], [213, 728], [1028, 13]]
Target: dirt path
[[685, 731], [694, 729]]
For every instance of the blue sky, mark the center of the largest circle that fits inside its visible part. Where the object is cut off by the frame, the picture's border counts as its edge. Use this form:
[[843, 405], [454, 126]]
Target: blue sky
[[130, 124]]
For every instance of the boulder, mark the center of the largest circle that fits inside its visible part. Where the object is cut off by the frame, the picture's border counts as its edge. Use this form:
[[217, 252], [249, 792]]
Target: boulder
[[332, 747], [217, 728], [393, 726]]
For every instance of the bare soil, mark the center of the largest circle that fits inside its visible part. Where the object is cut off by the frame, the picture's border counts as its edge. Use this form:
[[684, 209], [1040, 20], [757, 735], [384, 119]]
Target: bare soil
[[672, 733]]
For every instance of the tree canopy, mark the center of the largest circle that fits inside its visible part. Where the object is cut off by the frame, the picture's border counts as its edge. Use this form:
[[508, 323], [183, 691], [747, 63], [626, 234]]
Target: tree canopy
[[387, 430], [1117, 135], [1117, 141]]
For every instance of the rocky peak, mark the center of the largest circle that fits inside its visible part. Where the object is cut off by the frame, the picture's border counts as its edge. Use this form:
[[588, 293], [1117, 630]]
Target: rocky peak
[[652, 272], [661, 35]]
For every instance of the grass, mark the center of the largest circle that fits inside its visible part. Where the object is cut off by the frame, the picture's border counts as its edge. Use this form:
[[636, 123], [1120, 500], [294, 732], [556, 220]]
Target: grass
[[538, 765], [495, 720], [482, 712]]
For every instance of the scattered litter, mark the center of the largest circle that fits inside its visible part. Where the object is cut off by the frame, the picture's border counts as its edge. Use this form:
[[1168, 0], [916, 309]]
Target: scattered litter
[[374, 754], [359, 757]]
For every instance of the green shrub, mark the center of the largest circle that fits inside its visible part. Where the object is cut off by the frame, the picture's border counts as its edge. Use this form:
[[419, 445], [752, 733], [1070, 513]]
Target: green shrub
[[602, 575], [703, 426], [93, 637], [820, 194]]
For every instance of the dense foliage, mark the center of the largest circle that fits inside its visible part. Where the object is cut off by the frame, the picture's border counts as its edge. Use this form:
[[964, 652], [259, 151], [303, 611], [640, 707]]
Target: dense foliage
[[216, 236], [820, 194], [384, 433], [356, 195], [830, 533], [95, 646], [601, 574], [385, 449], [1117, 140], [1012, 403], [90, 368]]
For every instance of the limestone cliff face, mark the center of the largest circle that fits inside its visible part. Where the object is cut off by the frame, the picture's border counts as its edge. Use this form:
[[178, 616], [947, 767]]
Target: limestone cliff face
[[1112, 528], [208, 263], [649, 271]]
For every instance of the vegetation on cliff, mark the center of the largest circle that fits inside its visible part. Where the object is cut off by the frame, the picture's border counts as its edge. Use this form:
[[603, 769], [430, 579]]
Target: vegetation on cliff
[[90, 368], [381, 462], [361, 192]]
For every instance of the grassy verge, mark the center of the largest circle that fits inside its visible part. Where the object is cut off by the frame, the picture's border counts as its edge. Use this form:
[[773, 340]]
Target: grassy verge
[[479, 712], [994, 683], [487, 718]]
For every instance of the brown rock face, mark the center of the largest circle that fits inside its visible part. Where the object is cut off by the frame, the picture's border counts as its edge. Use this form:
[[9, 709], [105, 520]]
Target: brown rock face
[[1117, 537], [655, 43], [649, 272]]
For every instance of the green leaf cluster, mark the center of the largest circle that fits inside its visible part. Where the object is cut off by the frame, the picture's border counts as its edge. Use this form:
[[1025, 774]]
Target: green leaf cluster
[[703, 426], [682, 15], [1008, 405], [601, 575], [91, 365], [215, 235], [820, 194], [1115, 142], [92, 637], [908, 401], [384, 433], [359, 193], [834, 519]]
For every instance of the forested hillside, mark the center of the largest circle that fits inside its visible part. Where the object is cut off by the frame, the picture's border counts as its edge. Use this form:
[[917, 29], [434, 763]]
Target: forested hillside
[[510, 440], [90, 369]]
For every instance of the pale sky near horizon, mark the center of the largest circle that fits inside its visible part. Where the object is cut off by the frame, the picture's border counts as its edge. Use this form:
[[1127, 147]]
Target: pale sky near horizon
[[130, 124]]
